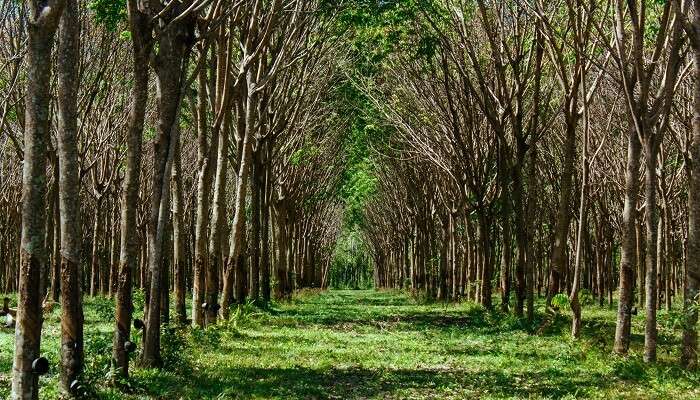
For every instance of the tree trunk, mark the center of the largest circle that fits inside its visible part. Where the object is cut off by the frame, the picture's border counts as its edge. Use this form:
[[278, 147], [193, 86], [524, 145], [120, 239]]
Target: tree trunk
[[582, 230], [41, 27], [561, 231], [178, 245], [256, 206], [651, 150], [129, 245], [265, 239], [217, 228], [689, 351], [171, 68], [95, 259], [629, 256], [206, 159], [69, 199]]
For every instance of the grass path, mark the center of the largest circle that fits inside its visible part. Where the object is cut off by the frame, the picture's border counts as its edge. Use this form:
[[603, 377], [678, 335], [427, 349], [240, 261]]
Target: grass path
[[384, 345]]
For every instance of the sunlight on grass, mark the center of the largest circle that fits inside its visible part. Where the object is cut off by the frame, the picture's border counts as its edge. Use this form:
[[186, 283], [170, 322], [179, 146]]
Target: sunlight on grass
[[384, 345]]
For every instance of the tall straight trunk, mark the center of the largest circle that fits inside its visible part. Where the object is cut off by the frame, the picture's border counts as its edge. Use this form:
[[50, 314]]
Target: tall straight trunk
[[178, 259], [170, 67], [628, 248], [167, 264], [113, 253], [206, 159], [667, 257], [521, 226], [129, 245], [41, 27], [106, 252], [530, 235], [256, 207], [56, 261], [164, 151], [49, 240], [506, 240], [282, 248], [95, 259], [641, 267], [561, 231], [689, 350], [582, 229], [442, 263], [217, 228], [650, 334], [69, 198], [486, 262], [238, 230], [265, 264]]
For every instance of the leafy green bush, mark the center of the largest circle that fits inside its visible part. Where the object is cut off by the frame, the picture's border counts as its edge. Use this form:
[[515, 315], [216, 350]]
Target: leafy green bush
[[103, 308], [560, 300], [174, 348], [586, 297]]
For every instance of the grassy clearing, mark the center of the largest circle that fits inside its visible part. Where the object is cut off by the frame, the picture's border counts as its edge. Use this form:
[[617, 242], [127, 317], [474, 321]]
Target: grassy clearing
[[386, 345]]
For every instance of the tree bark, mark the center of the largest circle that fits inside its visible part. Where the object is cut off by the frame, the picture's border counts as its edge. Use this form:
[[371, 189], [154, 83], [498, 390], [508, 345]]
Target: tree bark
[[206, 159], [43, 21], [650, 334], [129, 246], [561, 231], [689, 351], [178, 237], [69, 198], [629, 252]]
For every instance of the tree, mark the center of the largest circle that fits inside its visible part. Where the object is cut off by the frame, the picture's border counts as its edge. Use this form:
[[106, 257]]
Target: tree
[[43, 20], [69, 199]]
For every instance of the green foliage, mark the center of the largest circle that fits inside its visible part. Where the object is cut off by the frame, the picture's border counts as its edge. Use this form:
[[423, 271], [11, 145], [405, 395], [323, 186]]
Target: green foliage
[[174, 348], [586, 297], [560, 300], [110, 13], [304, 155], [149, 133], [103, 307]]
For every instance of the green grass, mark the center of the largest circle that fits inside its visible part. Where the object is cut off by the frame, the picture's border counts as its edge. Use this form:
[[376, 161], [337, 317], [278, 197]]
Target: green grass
[[380, 345]]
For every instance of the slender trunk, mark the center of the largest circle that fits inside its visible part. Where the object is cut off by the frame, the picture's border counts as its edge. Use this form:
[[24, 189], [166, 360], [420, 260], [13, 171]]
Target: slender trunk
[[530, 235], [41, 29], [629, 256], [650, 334], [689, 351], [216, 234], [69, 199], [265, 241], [95, 260], [582, 229], [178, 259], [129, 245], [206, 159], [255, 227], [238, 230], [170, 68], [561, 231], [521, 226], [56, 260]]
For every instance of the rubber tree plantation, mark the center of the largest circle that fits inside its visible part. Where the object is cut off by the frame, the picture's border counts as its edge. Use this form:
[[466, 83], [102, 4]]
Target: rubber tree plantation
[[349, 199]]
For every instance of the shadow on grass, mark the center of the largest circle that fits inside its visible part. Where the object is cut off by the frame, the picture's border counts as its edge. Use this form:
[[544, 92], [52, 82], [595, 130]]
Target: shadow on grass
[[359, 383]]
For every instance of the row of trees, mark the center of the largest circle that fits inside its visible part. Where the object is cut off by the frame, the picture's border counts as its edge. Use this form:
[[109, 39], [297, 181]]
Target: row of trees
[[232, 199], [547, 146]]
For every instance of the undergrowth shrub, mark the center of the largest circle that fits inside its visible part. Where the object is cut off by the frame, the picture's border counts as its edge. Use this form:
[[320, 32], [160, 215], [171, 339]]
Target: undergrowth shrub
[[174, 349]]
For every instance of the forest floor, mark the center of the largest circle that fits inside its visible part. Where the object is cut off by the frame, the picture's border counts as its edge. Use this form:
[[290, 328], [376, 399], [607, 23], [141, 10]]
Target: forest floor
[[378, 345]]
